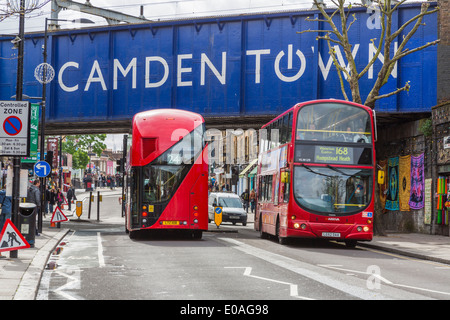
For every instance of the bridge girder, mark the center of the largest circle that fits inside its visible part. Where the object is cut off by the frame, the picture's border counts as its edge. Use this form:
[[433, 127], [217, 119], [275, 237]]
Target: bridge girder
[[220, 123]]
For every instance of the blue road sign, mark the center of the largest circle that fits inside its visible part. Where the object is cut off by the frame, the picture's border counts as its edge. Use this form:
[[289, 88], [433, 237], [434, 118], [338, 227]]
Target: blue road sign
[[218, 210], [42, 169], [12, 126]]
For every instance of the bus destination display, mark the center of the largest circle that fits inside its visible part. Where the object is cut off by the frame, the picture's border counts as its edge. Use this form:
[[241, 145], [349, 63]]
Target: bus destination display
[[332, 154]]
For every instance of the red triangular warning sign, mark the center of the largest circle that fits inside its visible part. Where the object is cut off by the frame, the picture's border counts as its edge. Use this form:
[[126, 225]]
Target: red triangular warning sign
[[11, 238], [58, 216]]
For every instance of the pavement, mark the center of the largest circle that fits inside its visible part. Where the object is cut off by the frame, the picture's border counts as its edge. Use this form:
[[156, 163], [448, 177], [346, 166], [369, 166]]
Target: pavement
[[20, 277]]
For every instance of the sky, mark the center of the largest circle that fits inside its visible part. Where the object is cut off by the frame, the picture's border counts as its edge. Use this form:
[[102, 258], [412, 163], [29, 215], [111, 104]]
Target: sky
[[153, 10], [114, 142], [156, 10]]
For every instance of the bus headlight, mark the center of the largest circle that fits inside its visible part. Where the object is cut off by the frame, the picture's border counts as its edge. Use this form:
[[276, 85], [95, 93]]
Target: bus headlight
[[366, 228], [296, 225]]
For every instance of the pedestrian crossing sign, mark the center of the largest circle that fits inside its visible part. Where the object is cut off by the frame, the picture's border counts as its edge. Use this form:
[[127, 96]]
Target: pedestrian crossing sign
[[11, 238], [58, 216]]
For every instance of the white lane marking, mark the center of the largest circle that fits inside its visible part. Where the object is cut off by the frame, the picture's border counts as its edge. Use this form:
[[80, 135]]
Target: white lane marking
[[293, 288], [336, 267], [73, 284], [304, 270], [379, 277], [101, 259]]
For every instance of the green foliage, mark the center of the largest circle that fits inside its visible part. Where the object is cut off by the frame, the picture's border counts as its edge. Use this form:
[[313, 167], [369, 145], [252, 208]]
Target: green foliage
[[426, 127], [80, 145]]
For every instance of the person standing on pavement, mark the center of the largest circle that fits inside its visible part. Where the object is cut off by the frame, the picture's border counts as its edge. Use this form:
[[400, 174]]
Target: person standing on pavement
[[34, 196], [59, 198], [70, 196], [51, 199]]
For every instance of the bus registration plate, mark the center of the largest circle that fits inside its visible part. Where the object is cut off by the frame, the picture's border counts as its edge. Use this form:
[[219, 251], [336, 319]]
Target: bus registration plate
[[171, 223], [331, 234]]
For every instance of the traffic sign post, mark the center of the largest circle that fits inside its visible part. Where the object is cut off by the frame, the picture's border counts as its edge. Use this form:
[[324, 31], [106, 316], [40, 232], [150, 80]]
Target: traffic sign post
[[42, 169], [11, 239], [15, 128], [218, 216], [79, 210], [58, 216]]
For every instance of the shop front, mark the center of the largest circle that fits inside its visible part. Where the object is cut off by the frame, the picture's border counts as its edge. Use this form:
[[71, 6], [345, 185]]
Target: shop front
[[441, 181]]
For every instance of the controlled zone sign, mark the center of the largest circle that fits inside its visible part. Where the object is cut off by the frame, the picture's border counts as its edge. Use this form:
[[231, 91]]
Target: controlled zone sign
[[11, 238], [15, 128]]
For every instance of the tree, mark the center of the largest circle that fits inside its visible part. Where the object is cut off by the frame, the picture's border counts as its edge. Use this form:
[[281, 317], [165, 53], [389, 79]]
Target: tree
[[383, 45], [12, 7], [79, 146]]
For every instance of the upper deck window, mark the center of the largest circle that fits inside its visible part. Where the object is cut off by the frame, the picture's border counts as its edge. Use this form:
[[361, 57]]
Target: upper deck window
[[333, 122]]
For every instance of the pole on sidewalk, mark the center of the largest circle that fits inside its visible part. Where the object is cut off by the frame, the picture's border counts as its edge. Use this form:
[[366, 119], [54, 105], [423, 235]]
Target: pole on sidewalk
[[98, 205], [19, 96], [90, 200]]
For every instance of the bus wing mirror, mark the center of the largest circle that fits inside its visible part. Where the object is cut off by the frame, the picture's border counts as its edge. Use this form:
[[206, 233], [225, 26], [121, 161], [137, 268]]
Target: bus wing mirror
[[285, 177], [380, 177]]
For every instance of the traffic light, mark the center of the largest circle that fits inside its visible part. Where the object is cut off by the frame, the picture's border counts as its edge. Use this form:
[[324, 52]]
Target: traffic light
[[49, 158], [120, 165]]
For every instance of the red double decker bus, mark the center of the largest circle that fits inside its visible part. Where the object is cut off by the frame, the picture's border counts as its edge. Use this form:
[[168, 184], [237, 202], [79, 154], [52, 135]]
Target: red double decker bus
[[167, 173], [316, 173]]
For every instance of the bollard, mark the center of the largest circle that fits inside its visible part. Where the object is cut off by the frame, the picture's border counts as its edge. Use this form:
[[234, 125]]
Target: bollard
[[99, 199], [79, 210], [90, 200]]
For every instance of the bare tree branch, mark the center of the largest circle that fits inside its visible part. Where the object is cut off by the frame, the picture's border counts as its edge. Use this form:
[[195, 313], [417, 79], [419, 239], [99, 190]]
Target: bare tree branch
[[406, 87], [407, 51], [383, 47]]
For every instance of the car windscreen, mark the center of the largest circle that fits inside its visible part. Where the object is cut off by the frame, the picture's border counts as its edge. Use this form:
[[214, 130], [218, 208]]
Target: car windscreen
[[230, 202]]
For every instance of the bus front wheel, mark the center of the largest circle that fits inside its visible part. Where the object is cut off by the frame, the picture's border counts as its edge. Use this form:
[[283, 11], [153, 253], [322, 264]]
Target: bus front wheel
[[262, 234], [350, 243], [281, 240], [197, 235]]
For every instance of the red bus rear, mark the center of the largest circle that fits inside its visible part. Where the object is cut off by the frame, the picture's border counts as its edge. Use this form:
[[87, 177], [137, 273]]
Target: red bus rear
[[167, 173], [316, 173]]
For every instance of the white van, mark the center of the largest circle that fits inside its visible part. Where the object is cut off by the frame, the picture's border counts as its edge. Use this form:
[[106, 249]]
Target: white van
[[232, 210]]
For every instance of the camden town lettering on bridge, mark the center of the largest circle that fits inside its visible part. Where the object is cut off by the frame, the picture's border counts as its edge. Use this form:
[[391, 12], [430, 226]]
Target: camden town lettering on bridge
[[295, 61]]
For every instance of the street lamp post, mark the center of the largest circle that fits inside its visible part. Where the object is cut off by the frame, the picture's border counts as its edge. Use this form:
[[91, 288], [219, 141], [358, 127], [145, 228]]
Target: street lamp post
[[44, 80], [19, 92]]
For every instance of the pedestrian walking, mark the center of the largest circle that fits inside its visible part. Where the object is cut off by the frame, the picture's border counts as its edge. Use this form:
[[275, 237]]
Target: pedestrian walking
[[59, 198], [51, 199], [252, 200], [245, 198], [71, 195]]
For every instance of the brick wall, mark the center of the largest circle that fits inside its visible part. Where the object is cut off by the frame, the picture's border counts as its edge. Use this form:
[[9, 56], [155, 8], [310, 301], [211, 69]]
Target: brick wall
[[443, 52], [399, 140]]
